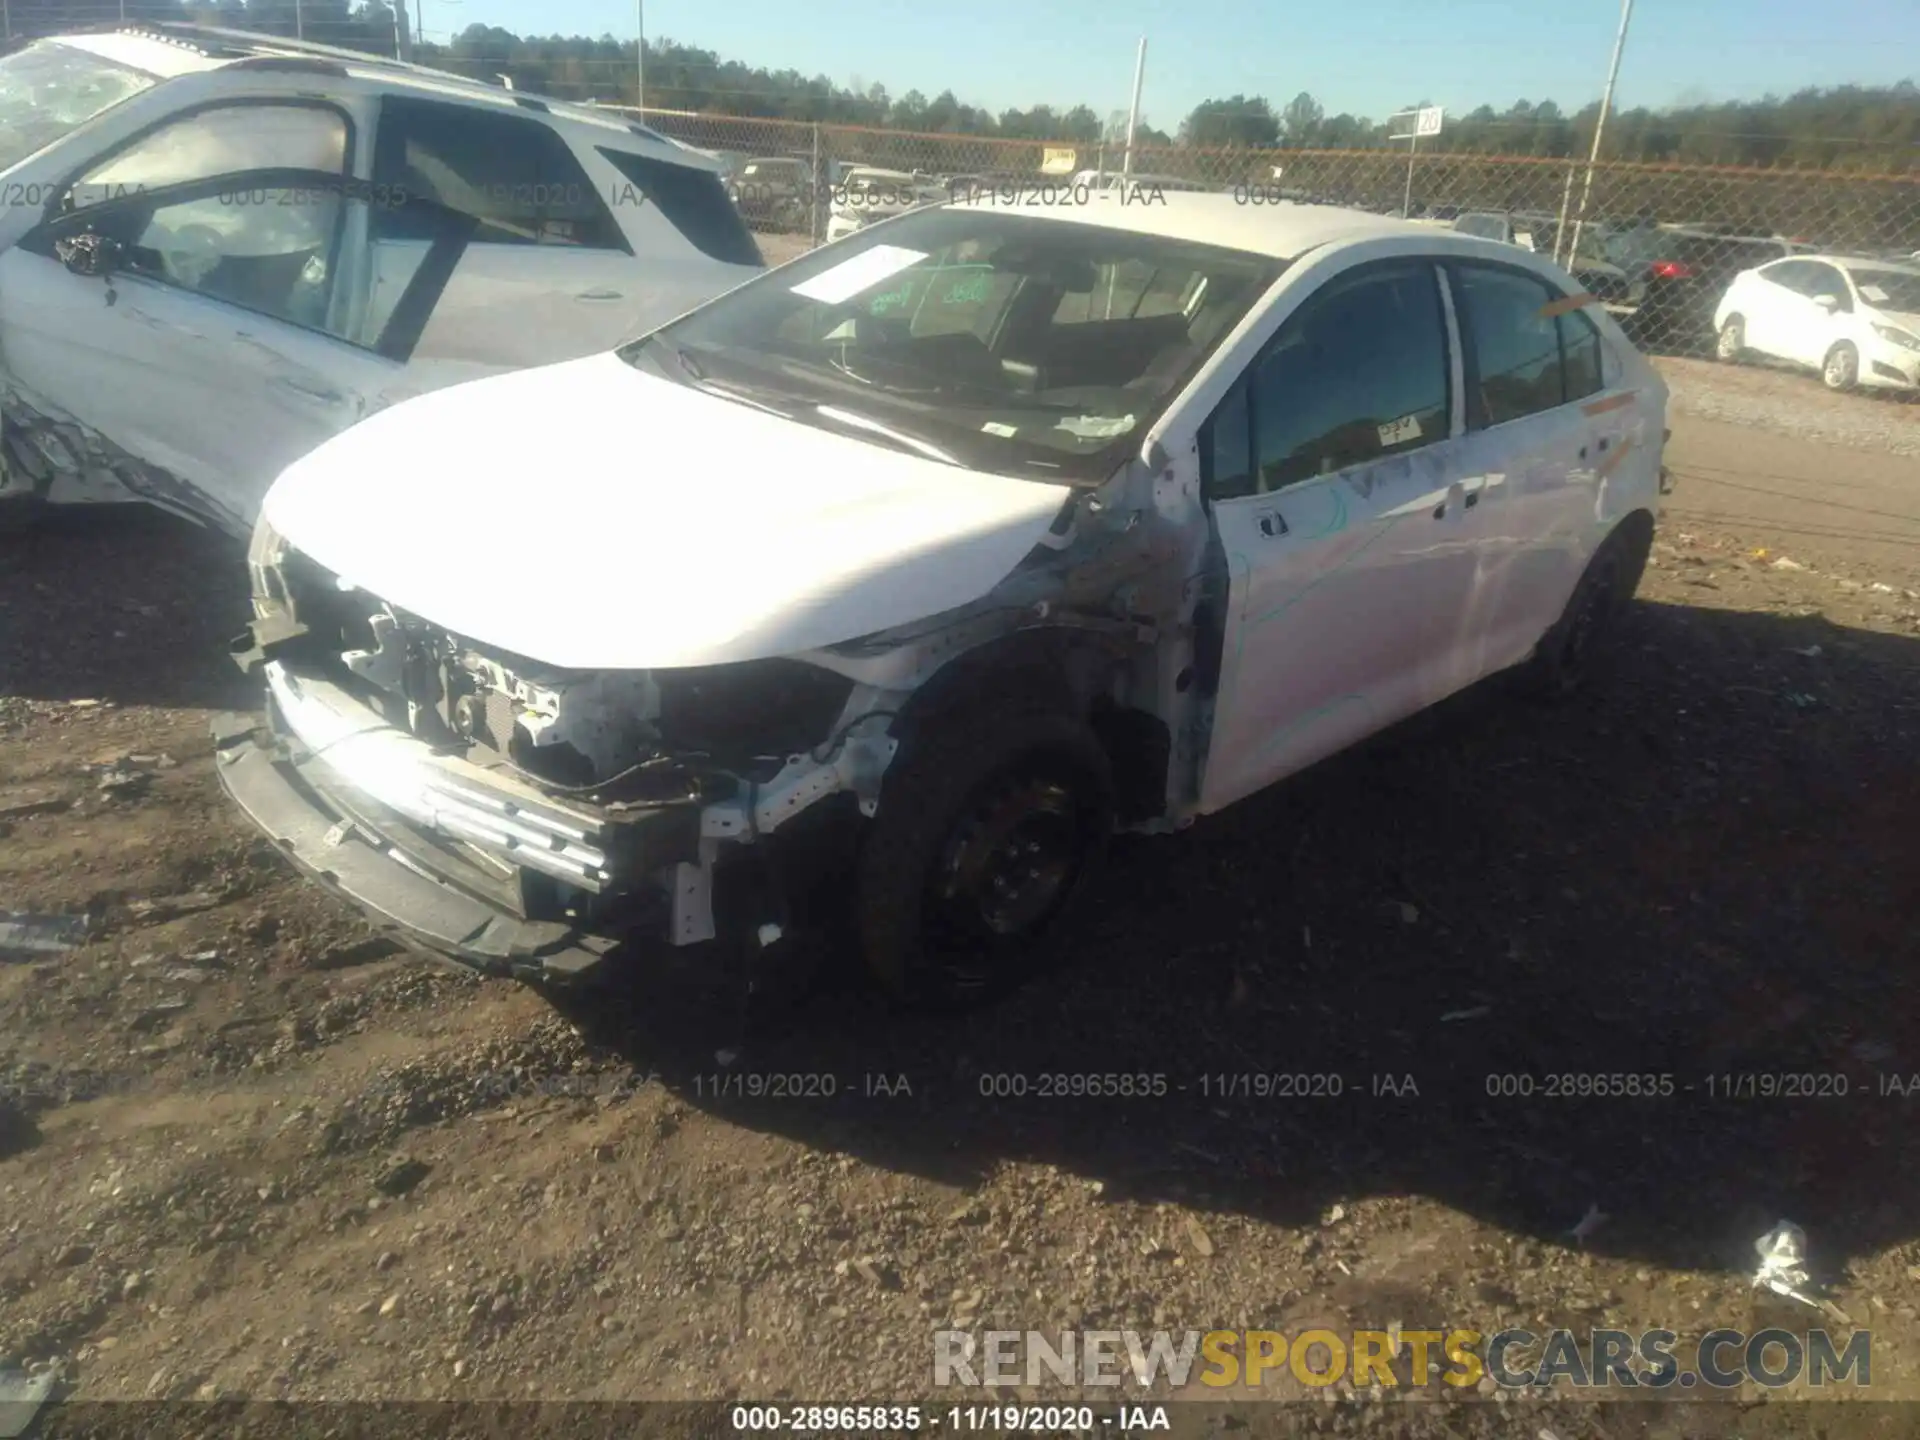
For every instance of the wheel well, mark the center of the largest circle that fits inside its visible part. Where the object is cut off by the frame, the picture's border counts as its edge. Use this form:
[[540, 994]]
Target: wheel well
[[1068, 672]]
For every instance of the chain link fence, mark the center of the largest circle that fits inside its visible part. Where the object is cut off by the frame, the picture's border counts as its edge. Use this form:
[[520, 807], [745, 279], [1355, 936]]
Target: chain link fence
[[1658, 244]]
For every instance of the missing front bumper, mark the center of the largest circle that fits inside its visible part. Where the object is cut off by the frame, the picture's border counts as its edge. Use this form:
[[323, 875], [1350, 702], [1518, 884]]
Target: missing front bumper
[[285, 791]]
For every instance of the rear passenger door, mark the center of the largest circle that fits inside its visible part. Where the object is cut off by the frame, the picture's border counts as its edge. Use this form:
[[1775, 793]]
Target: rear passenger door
[[1544, 431], [1349, 541], [548, 275]]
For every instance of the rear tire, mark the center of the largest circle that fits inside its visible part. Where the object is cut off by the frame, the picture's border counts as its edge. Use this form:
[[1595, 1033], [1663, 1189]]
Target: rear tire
[[1841, 368], [1731, 346], [1570, 656], [988, 828]]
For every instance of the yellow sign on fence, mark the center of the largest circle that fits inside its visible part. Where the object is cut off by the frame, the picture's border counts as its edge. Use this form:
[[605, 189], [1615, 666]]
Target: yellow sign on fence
[[1059, 160]]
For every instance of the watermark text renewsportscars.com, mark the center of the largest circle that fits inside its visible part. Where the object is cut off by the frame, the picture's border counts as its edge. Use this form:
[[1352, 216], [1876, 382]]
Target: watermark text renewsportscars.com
[[1462, 1358]]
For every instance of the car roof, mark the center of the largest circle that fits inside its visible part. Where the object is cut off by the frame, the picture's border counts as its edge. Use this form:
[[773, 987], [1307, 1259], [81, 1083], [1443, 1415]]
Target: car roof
[[1282, 231], [172, 50], [142, 52], [1869, 262]]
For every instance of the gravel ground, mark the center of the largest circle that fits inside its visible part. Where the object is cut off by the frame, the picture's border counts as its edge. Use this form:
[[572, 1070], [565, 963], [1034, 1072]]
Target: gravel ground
[[247, 1151], [1786, 401]]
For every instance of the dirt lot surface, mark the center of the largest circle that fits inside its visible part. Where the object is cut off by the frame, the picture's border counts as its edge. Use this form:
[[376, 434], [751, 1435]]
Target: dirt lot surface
[[244, 1151]]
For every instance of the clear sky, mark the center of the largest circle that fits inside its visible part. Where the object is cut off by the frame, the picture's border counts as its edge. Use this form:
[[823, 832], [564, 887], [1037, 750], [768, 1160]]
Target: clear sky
[[1367, 56]]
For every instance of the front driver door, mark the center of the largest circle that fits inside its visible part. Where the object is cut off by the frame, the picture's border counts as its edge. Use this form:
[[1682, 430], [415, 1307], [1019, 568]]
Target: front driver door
[[227, 337], [1338, 501]]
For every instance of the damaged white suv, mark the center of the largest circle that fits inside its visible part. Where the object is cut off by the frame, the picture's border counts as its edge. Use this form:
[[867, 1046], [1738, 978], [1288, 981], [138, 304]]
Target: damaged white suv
[[904, 574], [218, 249]]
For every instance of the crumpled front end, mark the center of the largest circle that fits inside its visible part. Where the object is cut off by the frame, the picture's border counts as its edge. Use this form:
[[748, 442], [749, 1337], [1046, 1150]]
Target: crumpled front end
[[516, 816]]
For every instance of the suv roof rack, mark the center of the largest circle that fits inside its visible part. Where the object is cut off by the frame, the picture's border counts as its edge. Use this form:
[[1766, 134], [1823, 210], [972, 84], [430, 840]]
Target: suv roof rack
[[258, 51]]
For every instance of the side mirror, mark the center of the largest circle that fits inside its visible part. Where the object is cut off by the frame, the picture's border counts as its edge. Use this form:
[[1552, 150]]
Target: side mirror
[[1828, 303], [88, 253]]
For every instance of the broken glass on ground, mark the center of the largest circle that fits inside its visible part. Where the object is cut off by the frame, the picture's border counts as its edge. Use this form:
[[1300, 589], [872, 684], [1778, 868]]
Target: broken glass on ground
[[25, 936]]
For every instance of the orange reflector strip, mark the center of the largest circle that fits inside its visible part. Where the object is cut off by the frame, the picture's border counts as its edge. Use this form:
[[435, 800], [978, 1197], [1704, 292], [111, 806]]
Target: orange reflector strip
[[1566, 303], [1612, 402]]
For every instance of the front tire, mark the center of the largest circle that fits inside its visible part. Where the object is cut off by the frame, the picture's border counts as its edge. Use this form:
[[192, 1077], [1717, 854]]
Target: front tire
[[988, 829], [1841, 368], [1730, 347]]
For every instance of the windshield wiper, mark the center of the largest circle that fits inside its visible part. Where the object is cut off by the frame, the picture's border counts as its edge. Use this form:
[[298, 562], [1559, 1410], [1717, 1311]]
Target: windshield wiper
[[855, 421], [726, 390]]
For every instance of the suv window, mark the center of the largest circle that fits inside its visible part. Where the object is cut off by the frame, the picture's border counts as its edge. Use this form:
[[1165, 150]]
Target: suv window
[[693, 201], [266, 242], [519, 178], [1357, 373], [222, 140], [1486, 227]]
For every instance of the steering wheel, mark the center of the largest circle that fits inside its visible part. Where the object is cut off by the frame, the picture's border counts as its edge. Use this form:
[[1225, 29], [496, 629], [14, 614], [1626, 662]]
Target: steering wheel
[[190, 254]]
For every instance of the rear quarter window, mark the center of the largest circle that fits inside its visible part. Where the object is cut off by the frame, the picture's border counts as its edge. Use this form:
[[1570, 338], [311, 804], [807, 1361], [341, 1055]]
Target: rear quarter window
[[693, 201]]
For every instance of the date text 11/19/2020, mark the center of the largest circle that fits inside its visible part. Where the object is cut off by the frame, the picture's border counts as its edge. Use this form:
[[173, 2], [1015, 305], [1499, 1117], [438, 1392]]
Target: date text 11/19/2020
[[816, 1421]]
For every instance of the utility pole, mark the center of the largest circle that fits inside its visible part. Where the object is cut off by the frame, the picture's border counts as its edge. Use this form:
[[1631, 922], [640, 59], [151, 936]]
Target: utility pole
[[1600, 122], [1133, 113], [640, 54], [299, 21], [402, 32]]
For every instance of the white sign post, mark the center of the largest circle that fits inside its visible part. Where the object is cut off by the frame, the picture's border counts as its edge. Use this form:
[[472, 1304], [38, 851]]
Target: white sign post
[[1426, 121]]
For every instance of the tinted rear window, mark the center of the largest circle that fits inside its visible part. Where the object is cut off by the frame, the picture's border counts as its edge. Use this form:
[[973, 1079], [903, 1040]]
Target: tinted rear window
[[693, 201]]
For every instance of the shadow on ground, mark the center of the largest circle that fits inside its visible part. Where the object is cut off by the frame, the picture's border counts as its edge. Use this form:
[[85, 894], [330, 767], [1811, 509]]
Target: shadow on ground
[[122, 603], [1704, 876]]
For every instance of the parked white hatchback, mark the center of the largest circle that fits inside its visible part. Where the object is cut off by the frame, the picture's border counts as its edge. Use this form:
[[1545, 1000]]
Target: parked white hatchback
[[866, 196], [949, 549], [1856, 321], [218, 249]]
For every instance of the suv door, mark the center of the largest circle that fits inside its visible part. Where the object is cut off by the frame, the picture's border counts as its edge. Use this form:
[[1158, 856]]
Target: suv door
[[547, 250], [219, 329], [1547, 425], [1348, 536]]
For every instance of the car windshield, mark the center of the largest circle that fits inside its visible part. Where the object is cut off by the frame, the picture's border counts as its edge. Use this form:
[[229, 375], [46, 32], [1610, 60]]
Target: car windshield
[[997, 341], [49, 89], [1889, 289]]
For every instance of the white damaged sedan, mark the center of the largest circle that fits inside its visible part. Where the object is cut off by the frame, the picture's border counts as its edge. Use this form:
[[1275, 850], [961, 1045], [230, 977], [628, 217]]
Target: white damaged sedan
[[905, 574]]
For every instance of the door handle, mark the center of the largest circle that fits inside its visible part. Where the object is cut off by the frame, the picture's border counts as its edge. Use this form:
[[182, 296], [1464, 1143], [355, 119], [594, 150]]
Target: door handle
[[1455, 491], [1272, 524], [600, 295], [312, 392], [1473, 497]]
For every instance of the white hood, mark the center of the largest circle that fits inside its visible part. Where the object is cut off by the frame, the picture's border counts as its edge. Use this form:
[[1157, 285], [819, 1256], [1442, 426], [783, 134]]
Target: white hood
[[595, 517]]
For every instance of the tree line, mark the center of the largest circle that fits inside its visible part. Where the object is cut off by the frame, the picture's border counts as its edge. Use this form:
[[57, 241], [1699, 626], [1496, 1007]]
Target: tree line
[[1846, 128]]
